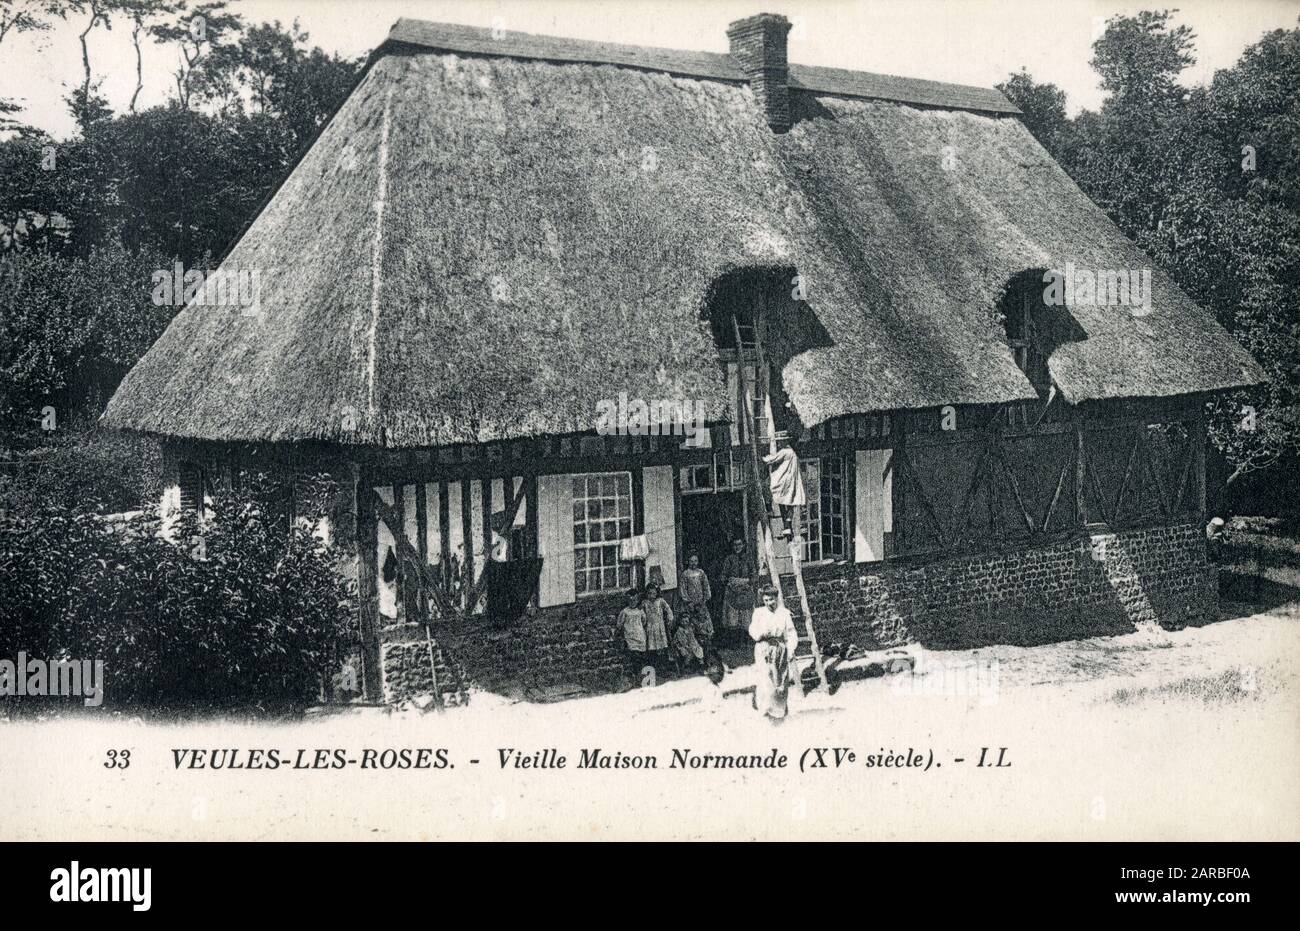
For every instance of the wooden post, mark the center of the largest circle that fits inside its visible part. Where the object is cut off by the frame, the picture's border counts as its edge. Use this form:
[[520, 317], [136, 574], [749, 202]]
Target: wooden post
[[404, 581], [640, 571], [1198, 451], [469, 574], [1080, 473], [444, 536], [898, 506], [367, 588], [422, 528], [433, 668]]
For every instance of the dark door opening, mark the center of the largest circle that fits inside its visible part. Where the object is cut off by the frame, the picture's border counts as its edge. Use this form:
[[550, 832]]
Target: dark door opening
[[709, 523]]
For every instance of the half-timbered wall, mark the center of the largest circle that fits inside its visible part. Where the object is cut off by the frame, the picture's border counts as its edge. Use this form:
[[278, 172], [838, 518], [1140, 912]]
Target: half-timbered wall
[[999, 481], [453, 526], [1010, 505]]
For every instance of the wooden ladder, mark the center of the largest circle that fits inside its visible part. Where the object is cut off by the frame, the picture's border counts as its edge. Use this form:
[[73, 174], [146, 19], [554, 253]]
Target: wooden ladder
[[763, 500]]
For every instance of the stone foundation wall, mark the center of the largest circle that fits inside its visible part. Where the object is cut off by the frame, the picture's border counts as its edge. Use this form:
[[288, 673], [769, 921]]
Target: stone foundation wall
[[1105, 584], [1088, 587], [406, 672], [569, 645]]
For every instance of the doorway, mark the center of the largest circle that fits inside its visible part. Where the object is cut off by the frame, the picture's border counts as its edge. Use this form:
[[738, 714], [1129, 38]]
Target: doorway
[[710, 521]]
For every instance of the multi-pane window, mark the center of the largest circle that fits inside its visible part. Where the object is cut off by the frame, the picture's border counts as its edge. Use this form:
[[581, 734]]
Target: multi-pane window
[[733, 469], [698, 477], [728, 470], [825, 532], [602, 517], [834, 524]]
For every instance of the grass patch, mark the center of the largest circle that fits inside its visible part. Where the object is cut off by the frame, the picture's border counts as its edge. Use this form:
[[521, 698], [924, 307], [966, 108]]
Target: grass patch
[[1232, 685]]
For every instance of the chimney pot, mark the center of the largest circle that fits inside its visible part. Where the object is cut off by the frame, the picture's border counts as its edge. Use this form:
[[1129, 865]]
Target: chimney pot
[[758, 43]]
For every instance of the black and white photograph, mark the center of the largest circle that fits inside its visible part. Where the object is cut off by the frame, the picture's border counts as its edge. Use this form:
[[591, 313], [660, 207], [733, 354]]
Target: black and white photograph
[[473, 420]]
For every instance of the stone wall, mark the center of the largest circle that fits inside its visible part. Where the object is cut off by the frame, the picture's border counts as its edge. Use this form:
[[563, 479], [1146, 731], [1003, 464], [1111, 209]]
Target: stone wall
[[569, 645], [406, 672], [1104, 584]]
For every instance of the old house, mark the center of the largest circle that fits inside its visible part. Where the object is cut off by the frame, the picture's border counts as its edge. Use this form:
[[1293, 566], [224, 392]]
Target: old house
[[507, 254]]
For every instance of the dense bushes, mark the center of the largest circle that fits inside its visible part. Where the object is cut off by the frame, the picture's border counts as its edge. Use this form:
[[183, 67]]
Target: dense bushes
[[91, 469], [71, 327], [242, 613]]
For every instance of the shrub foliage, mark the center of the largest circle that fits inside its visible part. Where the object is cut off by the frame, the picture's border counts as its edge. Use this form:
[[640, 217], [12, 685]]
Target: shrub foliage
[[239, 611]]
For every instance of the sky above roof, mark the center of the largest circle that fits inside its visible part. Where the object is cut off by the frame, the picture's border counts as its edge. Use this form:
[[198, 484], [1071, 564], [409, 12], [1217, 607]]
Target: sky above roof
[[976, 42]]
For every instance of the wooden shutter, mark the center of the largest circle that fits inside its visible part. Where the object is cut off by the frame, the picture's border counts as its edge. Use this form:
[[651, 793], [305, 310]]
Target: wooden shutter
[[191, 486], [555, 539], [660, 525], [871, 508]]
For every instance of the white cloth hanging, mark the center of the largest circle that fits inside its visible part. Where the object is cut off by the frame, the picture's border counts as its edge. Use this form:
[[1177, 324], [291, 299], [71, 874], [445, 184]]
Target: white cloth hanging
[[634, 548]]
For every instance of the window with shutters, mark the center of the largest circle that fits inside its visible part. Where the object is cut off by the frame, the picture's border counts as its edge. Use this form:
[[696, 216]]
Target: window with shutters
[[190, 480], [602, 518], [825, 534]]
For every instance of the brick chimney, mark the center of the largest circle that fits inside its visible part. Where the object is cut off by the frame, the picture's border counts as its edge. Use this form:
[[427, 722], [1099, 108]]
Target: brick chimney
[[758, 43]]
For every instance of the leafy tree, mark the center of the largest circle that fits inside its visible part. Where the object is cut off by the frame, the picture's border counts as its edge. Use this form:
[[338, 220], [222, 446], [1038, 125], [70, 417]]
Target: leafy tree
[[185, 182], [1140, 57], [87, 106], [70, 328], [1207, 181], [203, 35], [300, 89], [26, 16], [143, 14], [101, 470], [1042, 109]]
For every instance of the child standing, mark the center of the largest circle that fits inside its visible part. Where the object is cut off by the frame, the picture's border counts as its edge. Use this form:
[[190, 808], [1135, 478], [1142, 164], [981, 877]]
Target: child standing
[[631, 627], [696, 595], [658, 621]]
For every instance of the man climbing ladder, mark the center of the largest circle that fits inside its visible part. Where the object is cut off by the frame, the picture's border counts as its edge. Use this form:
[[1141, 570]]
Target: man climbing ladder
[[783, 489]]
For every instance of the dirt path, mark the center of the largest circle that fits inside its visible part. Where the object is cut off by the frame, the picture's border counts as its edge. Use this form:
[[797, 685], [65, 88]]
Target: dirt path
[[1194, 734]]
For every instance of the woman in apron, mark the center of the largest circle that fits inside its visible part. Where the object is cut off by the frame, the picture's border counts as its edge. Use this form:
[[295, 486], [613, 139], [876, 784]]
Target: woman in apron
[[775, 640], [738, 596]]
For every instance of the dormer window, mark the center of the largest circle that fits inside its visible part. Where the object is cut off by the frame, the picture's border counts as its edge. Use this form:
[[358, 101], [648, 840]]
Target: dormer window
[[1022, 312]]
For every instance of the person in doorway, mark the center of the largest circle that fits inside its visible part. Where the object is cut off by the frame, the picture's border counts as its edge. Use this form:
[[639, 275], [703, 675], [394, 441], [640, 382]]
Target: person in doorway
[[658, 621], [738, 596], [631, 627], [775, 641], [696, 594], [786, 481]]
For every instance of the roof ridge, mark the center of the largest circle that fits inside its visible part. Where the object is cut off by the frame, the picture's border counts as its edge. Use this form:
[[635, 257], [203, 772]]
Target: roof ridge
[[718, 66]]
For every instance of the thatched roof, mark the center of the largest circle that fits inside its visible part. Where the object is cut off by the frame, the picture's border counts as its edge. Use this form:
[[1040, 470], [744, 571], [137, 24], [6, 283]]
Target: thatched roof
[[492, 235]]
